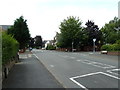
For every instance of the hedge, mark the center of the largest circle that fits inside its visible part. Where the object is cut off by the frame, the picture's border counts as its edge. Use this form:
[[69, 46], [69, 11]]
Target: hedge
[[112, 47], [9, 47], [50, 47]]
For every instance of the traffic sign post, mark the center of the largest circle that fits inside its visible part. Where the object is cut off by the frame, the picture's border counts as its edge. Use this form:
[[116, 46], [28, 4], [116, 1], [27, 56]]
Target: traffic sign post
[[94, 44]]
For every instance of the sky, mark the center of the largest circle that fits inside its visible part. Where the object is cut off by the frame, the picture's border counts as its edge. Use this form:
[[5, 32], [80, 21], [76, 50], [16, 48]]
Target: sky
[[44, 16]]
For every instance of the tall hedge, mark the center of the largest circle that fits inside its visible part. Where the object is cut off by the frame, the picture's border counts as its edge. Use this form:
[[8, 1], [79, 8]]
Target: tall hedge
[[9, 47], [112, 47]]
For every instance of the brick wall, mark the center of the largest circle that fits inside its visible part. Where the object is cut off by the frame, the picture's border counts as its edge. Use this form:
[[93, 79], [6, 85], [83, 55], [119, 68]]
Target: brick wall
[[113, 53]]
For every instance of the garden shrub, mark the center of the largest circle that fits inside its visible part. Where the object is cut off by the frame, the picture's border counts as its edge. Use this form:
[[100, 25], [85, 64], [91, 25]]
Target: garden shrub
[[9, 47], [112, 47], [106, 47], [50, 47]]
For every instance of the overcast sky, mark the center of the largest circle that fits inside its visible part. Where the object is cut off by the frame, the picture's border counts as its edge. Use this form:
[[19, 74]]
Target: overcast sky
[[44, 16]]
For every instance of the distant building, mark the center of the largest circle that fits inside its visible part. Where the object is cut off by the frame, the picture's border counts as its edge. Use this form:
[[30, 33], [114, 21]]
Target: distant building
[[46, 42], [4, 27], [119, 9]]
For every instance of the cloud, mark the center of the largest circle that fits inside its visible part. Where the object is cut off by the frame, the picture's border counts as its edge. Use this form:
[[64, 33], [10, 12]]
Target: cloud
[[44, 16]]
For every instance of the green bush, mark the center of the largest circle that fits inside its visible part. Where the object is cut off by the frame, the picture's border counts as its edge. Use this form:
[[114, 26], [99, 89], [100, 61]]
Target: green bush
[[116, 47], [50, 47], [118, 42], [106, 47], [9, 47], [112, 47]]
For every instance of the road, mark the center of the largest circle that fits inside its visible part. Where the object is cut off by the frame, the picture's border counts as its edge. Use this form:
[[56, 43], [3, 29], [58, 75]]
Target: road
[[81, 69]]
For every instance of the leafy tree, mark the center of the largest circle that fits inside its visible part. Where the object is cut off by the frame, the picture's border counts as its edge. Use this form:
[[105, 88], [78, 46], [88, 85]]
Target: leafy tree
[[70, 29], [110, 31], [20, 32], [92, 31], [38, 41], [31, 42]]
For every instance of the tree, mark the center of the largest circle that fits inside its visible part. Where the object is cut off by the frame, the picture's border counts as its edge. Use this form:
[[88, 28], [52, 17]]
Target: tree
[[70, 29], [110, 31], [31, 42], [20, 32], [92, 31], [38, 41]]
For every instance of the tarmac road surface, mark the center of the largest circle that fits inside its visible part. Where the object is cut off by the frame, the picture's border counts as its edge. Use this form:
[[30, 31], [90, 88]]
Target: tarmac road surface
[[82, 69]]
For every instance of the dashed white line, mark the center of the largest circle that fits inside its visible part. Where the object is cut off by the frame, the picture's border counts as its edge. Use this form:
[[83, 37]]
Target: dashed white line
[[72, 57], [51, 65], [97, 64]]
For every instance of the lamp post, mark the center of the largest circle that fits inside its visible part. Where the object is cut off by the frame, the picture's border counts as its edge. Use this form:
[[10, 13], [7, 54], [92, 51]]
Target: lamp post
[[94, 44]]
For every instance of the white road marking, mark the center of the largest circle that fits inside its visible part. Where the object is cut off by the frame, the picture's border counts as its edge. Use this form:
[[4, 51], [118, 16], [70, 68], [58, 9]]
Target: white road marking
[[74, 53], [36, 56], [110, 71], [64, 56], [97, 64], [78, 84], [29, 55], [23, 56], [41, 51], [90, 53], [51, 65], [78, 60], [110, 75], [83, 54], [86, 75], [82, 86], [72, 57]]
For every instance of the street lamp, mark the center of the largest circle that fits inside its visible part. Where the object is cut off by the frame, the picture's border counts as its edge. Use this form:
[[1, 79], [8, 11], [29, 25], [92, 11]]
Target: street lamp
[[94, 44]]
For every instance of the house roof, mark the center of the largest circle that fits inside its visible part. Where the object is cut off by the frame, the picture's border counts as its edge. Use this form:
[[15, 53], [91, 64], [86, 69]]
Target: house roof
[[5, 27]]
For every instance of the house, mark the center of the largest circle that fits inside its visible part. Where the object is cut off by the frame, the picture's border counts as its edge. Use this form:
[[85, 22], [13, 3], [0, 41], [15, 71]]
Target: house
[[4, 27]]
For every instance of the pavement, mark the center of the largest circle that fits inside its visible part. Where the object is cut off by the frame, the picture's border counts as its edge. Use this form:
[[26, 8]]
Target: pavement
[[30, 73], [83, 70]]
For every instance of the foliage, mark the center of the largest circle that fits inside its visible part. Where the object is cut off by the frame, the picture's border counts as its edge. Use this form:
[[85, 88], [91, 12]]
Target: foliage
[[92, 31], [31, 42], [50, 47], [111, 47], [70, 28], [20, 32], [106, 47], [118, 42], [9, 47], [110, 31], [72, 32], [38, 41]]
